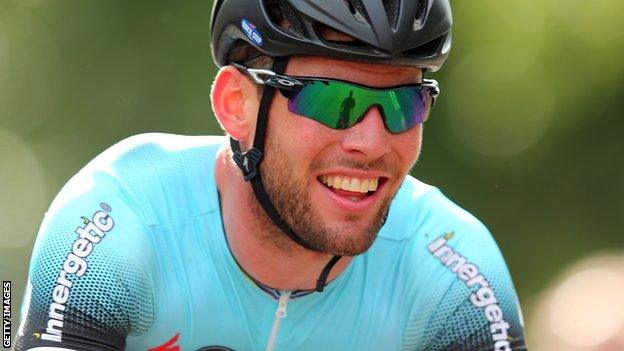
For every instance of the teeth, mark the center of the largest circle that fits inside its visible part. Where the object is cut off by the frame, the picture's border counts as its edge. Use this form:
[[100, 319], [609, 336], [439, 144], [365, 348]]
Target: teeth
[[355, 184], [350, 184], [364, 186], [373, 184]]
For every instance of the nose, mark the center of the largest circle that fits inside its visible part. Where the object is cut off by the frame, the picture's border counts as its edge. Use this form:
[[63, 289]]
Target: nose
[[368, 137]]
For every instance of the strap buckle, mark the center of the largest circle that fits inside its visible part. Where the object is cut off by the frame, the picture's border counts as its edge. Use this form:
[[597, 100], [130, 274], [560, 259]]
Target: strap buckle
[[248, 162]]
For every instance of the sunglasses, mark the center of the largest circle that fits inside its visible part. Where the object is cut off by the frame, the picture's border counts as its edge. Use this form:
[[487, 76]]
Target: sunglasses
[[340, 104]]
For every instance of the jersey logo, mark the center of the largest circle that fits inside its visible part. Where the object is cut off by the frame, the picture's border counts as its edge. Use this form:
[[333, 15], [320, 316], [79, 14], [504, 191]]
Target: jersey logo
[[484, 297], [170, 345], [92, 231]]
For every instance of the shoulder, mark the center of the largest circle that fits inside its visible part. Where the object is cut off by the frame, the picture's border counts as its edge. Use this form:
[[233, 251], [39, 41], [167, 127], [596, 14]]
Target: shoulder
[[150, 157], [420, 210], [164, 152], [85, 257], [149, 171], [455, 275], [117, 196], [434, 235]]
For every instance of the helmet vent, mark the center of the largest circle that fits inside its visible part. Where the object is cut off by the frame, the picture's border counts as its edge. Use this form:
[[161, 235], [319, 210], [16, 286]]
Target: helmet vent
[[285, 17], [392, 11], [421, 11], [340, 40], [357, 10], [427, 49], [350, 6]]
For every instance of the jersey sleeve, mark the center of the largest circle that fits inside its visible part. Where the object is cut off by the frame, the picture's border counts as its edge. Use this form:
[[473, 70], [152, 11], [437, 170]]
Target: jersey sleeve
[[466, 298], [89, 285]]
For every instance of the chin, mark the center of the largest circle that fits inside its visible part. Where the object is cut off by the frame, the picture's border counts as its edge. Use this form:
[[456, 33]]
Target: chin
[[348, 236]]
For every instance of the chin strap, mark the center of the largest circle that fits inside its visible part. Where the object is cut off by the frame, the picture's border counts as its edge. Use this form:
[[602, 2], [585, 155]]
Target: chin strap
[[249, 163], [322, 280]]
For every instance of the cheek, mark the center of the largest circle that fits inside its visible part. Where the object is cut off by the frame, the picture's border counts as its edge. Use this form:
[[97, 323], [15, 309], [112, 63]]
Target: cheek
[[301, 137], [407, 146]]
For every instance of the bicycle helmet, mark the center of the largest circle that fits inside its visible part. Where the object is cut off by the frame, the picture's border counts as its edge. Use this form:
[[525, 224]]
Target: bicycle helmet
[[398, 32]]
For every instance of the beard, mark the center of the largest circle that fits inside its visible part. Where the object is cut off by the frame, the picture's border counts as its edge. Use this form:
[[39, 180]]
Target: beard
[[292, 199]]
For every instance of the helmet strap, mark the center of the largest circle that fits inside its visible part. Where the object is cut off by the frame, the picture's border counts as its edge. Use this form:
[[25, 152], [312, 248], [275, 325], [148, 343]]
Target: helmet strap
[[249, 163]]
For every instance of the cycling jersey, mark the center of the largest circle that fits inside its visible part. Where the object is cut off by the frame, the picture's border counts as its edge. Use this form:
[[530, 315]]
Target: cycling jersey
[[132, 254]]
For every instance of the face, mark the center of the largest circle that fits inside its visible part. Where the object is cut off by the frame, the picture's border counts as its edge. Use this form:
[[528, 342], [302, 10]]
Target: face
[[334, 187]]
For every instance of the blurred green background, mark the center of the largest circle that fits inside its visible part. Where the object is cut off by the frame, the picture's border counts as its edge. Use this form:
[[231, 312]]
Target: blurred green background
[[527, 133]]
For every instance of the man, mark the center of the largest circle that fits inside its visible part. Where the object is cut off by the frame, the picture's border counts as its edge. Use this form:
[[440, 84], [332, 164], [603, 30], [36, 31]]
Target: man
[[345, 111], [302, 233]]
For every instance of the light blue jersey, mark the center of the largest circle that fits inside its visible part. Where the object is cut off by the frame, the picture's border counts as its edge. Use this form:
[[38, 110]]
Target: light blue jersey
[[132, 254]]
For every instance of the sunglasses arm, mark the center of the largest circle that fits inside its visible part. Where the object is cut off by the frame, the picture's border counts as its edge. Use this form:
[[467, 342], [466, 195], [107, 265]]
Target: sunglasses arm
[[268, 77], [434, 87]]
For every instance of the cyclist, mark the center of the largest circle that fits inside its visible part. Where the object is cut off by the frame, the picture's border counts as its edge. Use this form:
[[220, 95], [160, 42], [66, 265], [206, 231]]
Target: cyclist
[[304, 231]]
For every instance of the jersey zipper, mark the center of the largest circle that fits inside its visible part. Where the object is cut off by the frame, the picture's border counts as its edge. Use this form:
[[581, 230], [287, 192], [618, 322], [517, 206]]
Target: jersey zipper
[[280, 313]]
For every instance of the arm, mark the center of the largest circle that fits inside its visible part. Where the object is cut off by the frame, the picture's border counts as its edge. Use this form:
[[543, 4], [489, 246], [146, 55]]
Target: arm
[[87, 287], [476, 308], [465, 298]]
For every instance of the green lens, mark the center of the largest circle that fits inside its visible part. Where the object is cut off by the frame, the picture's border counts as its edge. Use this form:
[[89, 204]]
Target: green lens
[[329, 102], [406, 107], [340, 105]]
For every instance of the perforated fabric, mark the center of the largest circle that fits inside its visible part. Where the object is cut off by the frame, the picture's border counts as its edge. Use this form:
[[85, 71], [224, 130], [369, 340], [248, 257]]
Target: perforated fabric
[[453, 322], [101, 297], [161, 272]]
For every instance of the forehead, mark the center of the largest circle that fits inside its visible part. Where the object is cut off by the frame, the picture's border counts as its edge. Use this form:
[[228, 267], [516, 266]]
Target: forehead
[[359, 72]]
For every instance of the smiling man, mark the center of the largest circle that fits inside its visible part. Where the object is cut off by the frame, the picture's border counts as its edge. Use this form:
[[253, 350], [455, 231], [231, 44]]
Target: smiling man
[[300, 231]]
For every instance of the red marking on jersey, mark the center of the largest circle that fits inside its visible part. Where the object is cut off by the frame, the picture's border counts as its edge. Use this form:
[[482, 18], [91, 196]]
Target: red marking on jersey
[[169, 345]]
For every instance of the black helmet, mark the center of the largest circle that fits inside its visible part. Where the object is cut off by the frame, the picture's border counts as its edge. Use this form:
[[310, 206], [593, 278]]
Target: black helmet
[[399, 32]]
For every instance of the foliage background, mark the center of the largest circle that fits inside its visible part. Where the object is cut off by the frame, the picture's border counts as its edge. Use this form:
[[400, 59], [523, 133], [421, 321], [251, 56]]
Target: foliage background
[[526, 135]]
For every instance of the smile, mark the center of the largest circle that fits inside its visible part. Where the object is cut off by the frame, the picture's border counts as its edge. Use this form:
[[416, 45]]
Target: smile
[[350, 184], [353, 193]]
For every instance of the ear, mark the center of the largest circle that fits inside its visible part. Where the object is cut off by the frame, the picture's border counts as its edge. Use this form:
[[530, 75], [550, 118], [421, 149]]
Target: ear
[[233, 98]]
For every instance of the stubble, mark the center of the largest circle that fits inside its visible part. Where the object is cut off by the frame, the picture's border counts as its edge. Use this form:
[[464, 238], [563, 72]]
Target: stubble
[[292, 199]]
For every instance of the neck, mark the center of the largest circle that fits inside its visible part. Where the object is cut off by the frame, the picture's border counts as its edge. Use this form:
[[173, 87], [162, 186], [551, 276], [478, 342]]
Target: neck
[[260, 248]]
